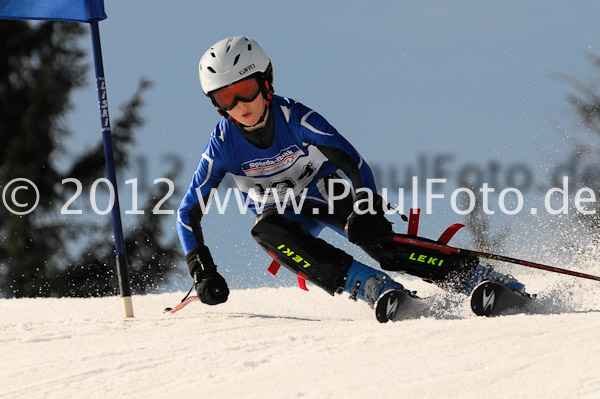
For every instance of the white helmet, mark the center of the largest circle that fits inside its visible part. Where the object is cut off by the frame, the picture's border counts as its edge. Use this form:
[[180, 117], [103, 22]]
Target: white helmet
[[231, 60]]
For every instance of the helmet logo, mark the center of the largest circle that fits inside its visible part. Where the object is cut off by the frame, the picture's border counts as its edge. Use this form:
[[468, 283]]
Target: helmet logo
[[248, 68]]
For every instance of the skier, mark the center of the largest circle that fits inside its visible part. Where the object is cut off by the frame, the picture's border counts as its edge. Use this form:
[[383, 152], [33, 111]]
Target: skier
[[273, 145]]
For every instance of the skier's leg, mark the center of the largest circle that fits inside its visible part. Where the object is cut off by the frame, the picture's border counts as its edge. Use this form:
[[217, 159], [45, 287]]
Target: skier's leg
[[453, 272], [461, 273], [322, 264], [310, 257]]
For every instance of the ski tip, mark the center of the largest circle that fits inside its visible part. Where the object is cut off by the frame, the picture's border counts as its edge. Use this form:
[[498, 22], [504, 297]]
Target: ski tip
[[483, 298], [167, 310], [493, 299], [389, 304]]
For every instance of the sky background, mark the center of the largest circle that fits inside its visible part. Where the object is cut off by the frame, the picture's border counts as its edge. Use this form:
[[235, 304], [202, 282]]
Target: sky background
[[475, 83]]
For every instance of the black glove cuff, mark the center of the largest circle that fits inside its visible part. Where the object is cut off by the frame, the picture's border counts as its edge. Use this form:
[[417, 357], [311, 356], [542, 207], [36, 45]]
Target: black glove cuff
[[199, 259]]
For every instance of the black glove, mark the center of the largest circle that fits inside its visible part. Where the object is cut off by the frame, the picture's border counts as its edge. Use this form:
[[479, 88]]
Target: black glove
[[367, 228], [211, 287]]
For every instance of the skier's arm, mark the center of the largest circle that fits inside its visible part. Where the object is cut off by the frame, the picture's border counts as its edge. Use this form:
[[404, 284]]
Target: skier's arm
[[210, 285], [317, 131], [190, 213], [346, 163], [361, 227]]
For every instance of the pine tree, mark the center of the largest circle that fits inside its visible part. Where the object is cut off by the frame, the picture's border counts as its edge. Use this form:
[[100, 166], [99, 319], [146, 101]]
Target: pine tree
[[41, 65]]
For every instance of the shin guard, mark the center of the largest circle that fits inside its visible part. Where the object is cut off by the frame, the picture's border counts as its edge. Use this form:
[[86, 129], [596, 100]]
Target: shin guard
[[312, 258]]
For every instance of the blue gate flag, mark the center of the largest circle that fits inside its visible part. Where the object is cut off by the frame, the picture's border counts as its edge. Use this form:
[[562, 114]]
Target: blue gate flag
[[53, 10]]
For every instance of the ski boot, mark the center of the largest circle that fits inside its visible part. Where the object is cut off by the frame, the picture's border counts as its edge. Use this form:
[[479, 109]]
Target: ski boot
[[487, 273], [495, 294], [379, 290]]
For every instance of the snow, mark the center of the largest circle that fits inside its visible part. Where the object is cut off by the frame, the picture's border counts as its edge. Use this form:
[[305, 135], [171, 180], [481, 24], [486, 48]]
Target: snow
[[286, 343]]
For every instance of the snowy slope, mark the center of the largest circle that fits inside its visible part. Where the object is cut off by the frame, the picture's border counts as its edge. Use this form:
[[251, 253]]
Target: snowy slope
[[286, 343]]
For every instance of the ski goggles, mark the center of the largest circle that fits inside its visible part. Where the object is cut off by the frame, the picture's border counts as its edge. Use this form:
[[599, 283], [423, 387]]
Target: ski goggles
[[228, 97]]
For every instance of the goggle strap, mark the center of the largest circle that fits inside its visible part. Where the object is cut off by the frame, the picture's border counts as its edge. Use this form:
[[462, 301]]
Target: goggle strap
[[269, 93]]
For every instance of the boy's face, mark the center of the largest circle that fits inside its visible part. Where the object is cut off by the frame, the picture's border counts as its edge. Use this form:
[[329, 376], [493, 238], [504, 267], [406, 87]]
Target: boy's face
[[248, 113]]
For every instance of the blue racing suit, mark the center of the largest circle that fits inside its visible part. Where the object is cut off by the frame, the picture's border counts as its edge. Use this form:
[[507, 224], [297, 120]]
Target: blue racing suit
[[294, 160]]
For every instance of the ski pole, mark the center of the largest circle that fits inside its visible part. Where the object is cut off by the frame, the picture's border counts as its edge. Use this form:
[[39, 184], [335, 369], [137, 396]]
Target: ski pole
[[448, 250], [184, 302]]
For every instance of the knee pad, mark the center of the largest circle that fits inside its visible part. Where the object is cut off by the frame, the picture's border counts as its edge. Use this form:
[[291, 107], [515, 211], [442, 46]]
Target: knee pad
[[325, 265]]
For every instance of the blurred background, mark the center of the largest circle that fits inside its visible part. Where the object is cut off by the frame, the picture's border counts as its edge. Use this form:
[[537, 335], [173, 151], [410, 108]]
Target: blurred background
[[498, 93]]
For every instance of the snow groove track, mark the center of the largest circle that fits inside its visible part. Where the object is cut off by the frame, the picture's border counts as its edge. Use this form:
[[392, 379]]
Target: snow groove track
[[288, 343]]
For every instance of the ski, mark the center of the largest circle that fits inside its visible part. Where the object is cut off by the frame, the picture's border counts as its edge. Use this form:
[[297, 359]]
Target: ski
[[493, 299], [397, 305], [182, 304]]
